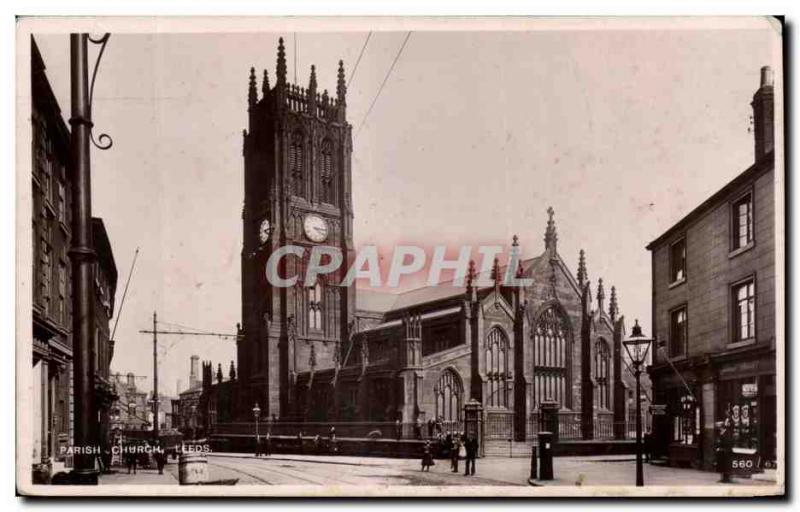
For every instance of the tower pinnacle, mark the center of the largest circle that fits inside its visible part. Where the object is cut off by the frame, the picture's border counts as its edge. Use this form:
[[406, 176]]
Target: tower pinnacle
[[280, 68], [341, 86], [252, 95]]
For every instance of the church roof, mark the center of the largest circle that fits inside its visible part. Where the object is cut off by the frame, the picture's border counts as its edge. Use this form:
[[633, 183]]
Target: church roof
[[374, 300], [383, 302]]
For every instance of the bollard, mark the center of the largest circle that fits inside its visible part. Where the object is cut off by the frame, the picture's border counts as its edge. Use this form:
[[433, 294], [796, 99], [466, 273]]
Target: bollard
[[545, 455], [533, 463]]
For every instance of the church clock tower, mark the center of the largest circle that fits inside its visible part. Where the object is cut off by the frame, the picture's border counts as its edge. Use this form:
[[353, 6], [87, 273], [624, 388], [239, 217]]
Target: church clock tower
[[297, 190]]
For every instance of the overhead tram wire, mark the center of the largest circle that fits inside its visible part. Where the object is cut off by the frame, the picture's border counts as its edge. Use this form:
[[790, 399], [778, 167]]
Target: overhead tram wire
[[385, 79], [364, 47]]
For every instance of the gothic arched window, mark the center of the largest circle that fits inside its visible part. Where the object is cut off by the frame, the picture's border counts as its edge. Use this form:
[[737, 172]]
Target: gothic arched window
[[296, 169], [315, 306], [602, 362], [551, 346], [327, 174], [449, 394], [496, 364]]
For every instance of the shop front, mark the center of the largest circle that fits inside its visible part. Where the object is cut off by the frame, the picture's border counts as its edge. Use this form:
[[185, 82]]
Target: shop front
[[701, 394]]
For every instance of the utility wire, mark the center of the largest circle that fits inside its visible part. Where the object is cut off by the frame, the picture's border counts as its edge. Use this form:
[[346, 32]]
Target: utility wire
[[385, 79], [352, 73], [122, 302]]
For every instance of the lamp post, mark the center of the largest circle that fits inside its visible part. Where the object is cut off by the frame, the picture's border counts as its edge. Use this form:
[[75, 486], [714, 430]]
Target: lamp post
[[256, 414], [637, 345], [82, 256]]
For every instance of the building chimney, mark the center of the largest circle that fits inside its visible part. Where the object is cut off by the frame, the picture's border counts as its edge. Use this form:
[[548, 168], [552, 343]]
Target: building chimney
[[763, 114], [178, 387], [193, 371]]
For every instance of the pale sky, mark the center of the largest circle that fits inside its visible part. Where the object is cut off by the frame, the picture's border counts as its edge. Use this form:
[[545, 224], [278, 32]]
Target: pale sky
[[474, 135]]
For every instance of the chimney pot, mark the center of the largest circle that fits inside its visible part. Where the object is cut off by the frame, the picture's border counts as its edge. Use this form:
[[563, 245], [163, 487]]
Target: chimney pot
[[767, 77]]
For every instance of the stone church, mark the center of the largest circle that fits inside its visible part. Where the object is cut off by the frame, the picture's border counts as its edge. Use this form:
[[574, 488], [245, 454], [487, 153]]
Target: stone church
[[327, 353]]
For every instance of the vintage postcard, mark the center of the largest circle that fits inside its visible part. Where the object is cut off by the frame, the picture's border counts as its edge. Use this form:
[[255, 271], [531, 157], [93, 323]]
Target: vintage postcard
[[400, 257]]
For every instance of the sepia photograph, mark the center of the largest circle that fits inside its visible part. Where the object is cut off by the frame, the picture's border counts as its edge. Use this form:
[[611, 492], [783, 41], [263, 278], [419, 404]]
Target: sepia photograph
[[380, 257]]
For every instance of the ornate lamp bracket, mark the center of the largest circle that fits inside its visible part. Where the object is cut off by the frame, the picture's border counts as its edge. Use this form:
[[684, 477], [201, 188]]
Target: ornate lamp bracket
[[104, 141]]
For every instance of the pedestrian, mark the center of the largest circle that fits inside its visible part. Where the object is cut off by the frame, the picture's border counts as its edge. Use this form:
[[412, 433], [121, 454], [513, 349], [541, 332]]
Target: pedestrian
[[472, 453], [334, 445], [430, 428], [300, 441], [258, 446], [317, 444], [427, 457], [648, 446], [418, 428], [455, 448], [131, 457], [160, 457], [398, 429], [267, 448], [439, 424]]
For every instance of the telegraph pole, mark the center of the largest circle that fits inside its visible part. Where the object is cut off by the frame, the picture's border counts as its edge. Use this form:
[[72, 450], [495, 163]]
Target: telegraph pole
[[155, 378], [82, 255]]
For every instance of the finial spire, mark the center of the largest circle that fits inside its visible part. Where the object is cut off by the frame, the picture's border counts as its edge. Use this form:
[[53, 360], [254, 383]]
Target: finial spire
[[265, 85], [252, 95], [312, 81], [613, 307], [219, 372], [341, 85], [582, 275], [280, 68], [496, 277], [601, 294], [232, 372], [471, 295], [550, 236]]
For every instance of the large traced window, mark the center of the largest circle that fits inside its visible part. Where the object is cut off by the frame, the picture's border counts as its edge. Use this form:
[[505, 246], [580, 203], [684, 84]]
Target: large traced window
[[602, 367], [551, 359], [327, 175], [677, 261], [742, 222], [496, 364], [449, 394], [296, 171], [678, 332], [744, 310]]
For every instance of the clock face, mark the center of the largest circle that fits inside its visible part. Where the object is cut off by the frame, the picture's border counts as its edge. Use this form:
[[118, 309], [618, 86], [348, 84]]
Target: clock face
[[316, 228], [264, 230]]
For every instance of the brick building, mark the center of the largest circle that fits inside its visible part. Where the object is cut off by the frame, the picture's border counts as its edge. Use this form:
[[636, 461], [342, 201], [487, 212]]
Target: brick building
[[714, 310], [334, 353], [105, 287], [51, 179], [52, 316]]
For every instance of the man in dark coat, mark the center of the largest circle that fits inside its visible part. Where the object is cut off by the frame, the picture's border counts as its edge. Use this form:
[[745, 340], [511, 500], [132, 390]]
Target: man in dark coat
[[471, 446]]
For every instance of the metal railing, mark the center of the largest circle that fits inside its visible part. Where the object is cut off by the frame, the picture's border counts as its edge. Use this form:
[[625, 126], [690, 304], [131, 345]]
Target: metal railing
[[366, 429]]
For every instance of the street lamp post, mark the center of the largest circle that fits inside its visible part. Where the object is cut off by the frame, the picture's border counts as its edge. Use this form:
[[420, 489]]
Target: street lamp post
[[256, 414], [637, 345]]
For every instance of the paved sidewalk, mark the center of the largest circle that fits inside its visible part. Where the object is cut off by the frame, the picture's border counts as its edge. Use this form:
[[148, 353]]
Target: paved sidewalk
[[604, 470], [142, 477]]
